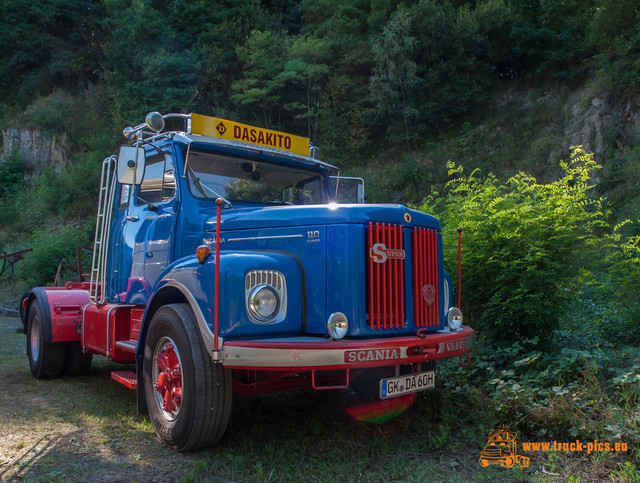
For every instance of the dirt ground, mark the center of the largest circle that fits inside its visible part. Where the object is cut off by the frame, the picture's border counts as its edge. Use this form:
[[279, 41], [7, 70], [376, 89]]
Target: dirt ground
[[80, 429], [87, 429]]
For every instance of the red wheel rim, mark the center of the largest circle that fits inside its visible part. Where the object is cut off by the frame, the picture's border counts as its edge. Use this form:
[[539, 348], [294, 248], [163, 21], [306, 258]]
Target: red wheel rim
[[167, 377]]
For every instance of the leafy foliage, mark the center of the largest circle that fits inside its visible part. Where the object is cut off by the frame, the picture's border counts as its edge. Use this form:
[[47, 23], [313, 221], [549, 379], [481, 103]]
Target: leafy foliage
[[524, 243], [47, 44], [50, 250]]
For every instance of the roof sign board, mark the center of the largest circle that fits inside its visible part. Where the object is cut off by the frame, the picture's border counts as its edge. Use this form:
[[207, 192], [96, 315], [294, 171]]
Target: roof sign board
[[235, 131]]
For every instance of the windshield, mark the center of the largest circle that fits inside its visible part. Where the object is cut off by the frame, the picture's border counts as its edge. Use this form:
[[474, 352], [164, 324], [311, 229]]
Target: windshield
[[212, 175]]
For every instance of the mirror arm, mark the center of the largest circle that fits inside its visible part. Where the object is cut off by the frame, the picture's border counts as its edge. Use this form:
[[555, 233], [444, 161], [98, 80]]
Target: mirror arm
[[154, 146]]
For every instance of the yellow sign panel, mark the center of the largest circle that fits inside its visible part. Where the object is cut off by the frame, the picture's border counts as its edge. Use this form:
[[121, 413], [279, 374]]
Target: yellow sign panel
[[235, 131]]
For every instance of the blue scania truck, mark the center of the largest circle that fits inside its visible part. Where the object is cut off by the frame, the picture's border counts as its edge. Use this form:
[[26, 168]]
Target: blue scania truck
[[223, 262]]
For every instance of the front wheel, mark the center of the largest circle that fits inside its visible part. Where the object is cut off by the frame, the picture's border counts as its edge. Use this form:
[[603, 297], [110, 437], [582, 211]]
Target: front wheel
[[46, 359], [188, 395]]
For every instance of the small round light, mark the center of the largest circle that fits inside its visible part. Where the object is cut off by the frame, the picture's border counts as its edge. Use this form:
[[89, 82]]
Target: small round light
[[155, 121], [454, 318], [128, 133], [264, 303], [338, 325]]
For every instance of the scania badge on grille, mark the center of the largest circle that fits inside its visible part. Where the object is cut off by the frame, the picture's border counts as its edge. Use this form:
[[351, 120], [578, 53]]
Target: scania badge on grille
[[429, 294], [380, 253]]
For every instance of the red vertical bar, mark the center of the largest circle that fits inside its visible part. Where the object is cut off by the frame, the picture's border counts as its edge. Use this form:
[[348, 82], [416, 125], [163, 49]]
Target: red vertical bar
[[371, 275], [425, 268], [414, 249], [418, 307], [427, 234], [393, 285], [216, 315], [384, 279], [393, 268], [436, 283], [416, 276], [433, 267], [396, 282], [377, 279], [402, 262], [459, 263]]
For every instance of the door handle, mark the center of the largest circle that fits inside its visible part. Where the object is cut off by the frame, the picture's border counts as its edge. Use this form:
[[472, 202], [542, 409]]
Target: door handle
[[132, 218]]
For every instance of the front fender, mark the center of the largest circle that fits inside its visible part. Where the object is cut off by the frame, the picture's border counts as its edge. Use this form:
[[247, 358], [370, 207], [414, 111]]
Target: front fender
[[196, 284]]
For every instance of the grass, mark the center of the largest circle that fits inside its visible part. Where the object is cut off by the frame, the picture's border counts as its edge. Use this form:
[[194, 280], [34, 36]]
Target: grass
[[86, 428]]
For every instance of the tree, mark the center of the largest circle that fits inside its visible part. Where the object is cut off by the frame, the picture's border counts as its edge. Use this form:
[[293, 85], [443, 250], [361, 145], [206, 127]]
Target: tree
[[47, 45], [305, 72], [394, 80], [261, 86]]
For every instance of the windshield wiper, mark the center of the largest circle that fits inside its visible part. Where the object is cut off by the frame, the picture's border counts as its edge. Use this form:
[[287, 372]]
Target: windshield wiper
[[204, 188]]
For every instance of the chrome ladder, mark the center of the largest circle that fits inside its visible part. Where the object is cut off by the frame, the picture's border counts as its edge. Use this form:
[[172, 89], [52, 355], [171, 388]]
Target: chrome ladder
[[98, 284]]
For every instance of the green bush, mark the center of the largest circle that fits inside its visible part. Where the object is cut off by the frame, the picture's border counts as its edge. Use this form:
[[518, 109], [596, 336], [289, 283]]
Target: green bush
[[11, 174], [524, 243], [39, 267]]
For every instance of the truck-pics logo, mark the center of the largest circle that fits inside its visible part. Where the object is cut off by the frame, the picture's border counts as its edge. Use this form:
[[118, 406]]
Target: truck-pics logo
[[501, 449], [380, 253]]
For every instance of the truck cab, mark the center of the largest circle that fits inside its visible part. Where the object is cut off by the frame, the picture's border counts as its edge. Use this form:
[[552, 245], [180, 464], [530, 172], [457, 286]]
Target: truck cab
[[224, 263]]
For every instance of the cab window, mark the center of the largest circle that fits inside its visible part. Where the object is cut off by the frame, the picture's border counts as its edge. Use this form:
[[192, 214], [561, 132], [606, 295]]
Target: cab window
[[159, 182]]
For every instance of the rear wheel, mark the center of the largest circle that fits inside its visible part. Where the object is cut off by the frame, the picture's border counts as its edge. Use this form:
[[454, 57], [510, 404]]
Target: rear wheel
[[187, 394], [46, 359]]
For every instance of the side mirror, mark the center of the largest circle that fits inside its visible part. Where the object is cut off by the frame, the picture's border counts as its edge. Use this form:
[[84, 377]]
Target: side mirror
[[131, 162]]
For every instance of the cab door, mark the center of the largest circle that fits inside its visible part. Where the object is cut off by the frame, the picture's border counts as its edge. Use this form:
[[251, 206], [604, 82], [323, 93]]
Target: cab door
[[142, 231]]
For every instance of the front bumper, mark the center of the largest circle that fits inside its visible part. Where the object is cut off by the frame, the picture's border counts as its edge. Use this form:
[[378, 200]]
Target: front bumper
[[309, 353]]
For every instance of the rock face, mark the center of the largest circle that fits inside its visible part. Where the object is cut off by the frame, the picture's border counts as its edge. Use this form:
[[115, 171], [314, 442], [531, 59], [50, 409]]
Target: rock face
[[37, 148], [604, 125]]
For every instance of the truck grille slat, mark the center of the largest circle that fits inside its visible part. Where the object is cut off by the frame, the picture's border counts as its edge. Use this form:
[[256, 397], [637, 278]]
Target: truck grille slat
[[425, 277], [386, 272], [385, 278]]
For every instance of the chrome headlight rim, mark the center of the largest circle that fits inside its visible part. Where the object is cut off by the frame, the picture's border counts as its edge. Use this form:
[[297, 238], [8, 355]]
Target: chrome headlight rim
[[454, 318], [337, 325], [254, 306]]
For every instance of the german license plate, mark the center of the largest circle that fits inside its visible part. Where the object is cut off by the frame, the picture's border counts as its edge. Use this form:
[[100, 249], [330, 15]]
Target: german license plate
[[395, 386]]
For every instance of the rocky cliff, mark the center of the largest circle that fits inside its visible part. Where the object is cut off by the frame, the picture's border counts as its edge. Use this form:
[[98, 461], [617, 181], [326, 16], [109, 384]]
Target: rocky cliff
[[604, 124], [37, 148]]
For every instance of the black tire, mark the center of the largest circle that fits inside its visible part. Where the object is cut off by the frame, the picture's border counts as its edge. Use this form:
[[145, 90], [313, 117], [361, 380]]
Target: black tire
[[198, 403], [78, 363], [46, 359]]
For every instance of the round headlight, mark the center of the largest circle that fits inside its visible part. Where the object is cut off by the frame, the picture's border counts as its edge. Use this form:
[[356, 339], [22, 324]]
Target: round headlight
[[264, 303], [454, 318], [337, 325]]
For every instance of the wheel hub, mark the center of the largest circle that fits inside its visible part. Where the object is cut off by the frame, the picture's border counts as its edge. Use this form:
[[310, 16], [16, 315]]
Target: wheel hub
[[34, 338], [168, 384]]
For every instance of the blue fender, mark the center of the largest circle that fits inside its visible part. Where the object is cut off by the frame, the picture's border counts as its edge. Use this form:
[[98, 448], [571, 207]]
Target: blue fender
[[188, 281]]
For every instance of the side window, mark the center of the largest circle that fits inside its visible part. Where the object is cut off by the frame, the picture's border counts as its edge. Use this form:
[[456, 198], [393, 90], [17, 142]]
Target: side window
[[159, 182], [311, 192]]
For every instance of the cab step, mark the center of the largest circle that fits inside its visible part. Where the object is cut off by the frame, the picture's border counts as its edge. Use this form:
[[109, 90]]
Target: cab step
[[130, 345], [128, 378]]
